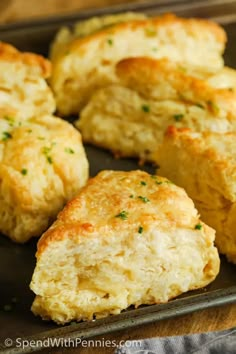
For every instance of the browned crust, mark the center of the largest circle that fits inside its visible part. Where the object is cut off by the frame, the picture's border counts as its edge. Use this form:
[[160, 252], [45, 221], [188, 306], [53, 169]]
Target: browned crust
[[155, 22], [77, 227], [198, 146], [10, 53], [141, 72]]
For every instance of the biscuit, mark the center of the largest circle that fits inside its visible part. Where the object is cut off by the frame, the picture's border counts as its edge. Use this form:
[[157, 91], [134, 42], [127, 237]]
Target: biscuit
[[128, 238], [205, 165], [130, 118], [87, 63], [23, 85], [42, 166]]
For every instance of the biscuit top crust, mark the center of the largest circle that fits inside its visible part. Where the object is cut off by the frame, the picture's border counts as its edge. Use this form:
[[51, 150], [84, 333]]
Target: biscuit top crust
[[218, 147], [32, 153], [192, 26], [38, 63], [122, 202], [163, 79]]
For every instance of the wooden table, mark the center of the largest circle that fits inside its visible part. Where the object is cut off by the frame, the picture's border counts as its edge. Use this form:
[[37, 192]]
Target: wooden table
[[207, 320]]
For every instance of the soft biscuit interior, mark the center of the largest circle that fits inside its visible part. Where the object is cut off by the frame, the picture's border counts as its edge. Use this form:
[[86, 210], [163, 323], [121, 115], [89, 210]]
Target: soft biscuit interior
[[128, 238]]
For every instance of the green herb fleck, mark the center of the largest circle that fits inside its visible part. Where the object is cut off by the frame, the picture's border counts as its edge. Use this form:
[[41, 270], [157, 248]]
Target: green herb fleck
[[154, 49], [145, 108], [144, 199], [213, 106], [199, 105], [6, 136], [7, 308], [49, 159], [131, 196], [41, 138], [73, 323], [122, 215], [29, 131], [178, 117], [46, 151], [198, 227], [182, 68], [69, 150], [150, 32], [143, 183], [140, 230], [24, 171], [159, 182], [10, 120], [110, 41]]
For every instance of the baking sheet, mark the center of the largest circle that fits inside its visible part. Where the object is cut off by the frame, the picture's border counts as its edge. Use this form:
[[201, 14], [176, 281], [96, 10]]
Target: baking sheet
[[17, 262]]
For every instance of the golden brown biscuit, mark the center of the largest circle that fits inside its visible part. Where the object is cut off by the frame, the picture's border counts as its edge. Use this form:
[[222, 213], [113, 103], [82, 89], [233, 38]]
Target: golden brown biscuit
[[42, 166], [23, 83], [205, 165], [130, 118], [128, 238], [87, 63], [87, 27]]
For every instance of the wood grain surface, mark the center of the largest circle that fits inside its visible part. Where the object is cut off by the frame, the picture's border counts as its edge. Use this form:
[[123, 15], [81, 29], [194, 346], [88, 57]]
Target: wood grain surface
[[203, 321], [208, 320]]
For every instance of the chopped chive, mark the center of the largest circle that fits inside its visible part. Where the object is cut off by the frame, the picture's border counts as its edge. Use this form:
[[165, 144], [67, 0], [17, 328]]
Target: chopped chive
[[159, 182], [143, 183], [199, 105], [144, 199], [122, 215], [6, 136], [69, 150], [131, 196], [73, 323], [29, 131], [140, 230], [10, 120], [213, 106], [145, 108], [24, 171], [178, 117], [110, 41], [46, 150], [49, 159], [198, 227], [150, 32], [41, 138]]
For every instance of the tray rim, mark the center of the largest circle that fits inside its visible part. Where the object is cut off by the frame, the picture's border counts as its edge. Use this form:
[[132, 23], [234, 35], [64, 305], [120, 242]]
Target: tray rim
[[174, 308], [145, 5]]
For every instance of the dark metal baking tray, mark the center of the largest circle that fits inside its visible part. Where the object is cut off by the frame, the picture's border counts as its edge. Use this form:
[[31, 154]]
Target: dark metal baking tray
[[17, 261]]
